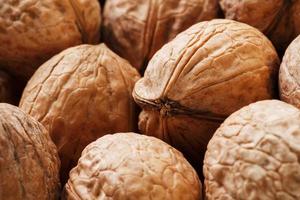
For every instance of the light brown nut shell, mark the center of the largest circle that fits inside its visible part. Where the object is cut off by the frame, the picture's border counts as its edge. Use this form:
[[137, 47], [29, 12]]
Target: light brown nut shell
[[195, 81], [32, 31], [136, 29], [278, 19], [255, 154], [289, 74], [79, 95], [29, 164], [132, 166]]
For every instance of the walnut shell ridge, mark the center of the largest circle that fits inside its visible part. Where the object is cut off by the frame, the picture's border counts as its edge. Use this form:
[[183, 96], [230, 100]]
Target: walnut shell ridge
[[29, 164], [132, 166], [32, 31], [79, 95], [198, 79], [255, 154]]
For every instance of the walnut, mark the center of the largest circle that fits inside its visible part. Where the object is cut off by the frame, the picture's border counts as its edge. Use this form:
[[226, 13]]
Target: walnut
[[289, 74], [255, 154], [198, 79], [278, 19], [136, 29], [29, 164], [79, 95], [132, 166], [32, 31]]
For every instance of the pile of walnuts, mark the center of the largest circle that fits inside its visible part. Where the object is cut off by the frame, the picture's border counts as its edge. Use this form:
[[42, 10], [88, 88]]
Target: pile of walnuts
[[150, 99]]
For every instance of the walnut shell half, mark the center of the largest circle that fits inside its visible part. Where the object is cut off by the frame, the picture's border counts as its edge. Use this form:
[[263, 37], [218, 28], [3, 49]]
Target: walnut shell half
[[32, 31], [255, 154], [79, 95], [29, 164], [132, 166], [198, 79]]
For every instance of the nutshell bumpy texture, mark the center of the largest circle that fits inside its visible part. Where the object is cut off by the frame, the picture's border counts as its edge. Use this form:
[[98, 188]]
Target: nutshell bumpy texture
[[289, 74], [6, 88], [136, 29], [32, 31], [278, 19], [29, 164], [132, 166], [79, 95], [255, 154], [198, 79]]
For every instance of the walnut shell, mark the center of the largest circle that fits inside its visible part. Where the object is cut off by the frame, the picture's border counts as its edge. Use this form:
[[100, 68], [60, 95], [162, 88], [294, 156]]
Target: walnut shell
[[32, 31], [278, 19], [29, 164], [255, 154], [198, 79], [79, 95], [132, 166], [136, 29]]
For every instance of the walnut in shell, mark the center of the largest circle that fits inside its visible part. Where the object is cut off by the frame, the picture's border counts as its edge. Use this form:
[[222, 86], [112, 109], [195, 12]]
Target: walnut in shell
[[255, 154], [278, 19], [289, 74], [32, 31], [136, 29], [29, 164], [132, 166], [198, 79], [79, 95]]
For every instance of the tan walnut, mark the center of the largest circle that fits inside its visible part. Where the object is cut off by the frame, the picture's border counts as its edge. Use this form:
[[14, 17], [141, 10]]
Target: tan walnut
[[289, 74], [32, 31], [278, 19], [29, 164], [136, 29], [79, 95], [132, 166], [255, 154], [198, 79]]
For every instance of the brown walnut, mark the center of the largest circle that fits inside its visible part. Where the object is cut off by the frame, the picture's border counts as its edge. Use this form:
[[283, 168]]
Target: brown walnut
[[136, 29], [29, 164], [79, 95], [32, 31], [198, 79], [255, 154], [132, 166]]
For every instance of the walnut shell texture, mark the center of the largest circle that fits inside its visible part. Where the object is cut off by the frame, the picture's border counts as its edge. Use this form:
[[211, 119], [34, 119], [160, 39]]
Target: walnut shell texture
[[132, 166], [29, 164], [289, 74], [255, 154], [136, 29], [198, 79], [79, 95], [32, 31], [278, 19]]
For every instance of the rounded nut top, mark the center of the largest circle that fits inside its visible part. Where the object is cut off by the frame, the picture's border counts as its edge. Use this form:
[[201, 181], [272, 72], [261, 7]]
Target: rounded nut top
[[132, 166], [255, 154]]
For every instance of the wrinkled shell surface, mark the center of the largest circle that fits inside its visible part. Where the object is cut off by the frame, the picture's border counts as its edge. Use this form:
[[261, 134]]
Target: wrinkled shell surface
[[255, 154], [194, 82], [32, 31], [79, 95], [136, 29], [6, 88], [289, 74], [29, 164], [132, 166], [279, 19]]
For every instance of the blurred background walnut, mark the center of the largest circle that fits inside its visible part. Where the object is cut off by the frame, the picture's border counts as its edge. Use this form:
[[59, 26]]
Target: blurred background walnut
[[29, 164], [80, 95], [255, 154], [198, 79], [32, 31], [136, 29], [132, 166]]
